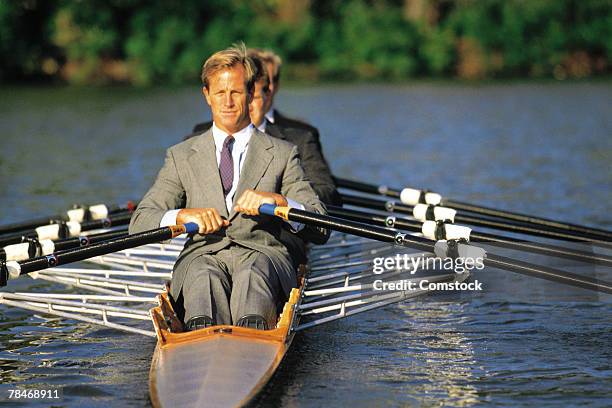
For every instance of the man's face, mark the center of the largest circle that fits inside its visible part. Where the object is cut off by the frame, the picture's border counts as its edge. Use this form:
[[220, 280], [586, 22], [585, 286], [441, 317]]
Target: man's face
[[258, 104], [273, 88], [228, 99]]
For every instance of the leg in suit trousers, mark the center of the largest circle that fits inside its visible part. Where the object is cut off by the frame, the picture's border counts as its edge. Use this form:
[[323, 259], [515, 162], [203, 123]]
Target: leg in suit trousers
[[230, 284], [256, 287], [207, 288]]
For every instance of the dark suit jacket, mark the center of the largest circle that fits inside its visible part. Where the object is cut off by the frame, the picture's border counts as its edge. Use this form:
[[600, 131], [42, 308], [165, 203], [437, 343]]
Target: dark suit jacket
[[287, 122]]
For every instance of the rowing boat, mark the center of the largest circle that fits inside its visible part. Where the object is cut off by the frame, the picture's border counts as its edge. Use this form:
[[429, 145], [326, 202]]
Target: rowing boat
[[223, 365], [218, 366], [228, 365]]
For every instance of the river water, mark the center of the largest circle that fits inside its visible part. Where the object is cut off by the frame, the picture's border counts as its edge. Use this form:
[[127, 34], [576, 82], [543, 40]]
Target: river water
[[544, 149]]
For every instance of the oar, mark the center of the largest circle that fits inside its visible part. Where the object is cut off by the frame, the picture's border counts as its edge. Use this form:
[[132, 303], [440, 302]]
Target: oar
[[392, 206], [411, 196], [32, 247], [14, 269], [443, 249], [78, 213], [472, 235], [61, 230]]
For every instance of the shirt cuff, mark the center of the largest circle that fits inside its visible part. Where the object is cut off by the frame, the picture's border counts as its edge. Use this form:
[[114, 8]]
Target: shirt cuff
[[295, 226], [169, 218]]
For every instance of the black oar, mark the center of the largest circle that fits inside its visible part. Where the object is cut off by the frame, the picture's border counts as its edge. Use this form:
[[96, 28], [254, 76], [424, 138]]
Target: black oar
[[474, 236], [77, 213], [64, 230], [450, 249], [392, 206], [32, 247], [421, 196], [14, 269]]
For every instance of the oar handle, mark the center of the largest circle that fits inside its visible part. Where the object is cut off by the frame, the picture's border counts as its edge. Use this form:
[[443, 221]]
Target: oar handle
[[274, 210], [14, 269]]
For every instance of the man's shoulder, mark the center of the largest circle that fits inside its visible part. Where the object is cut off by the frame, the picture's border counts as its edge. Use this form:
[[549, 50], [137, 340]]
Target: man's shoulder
[[287, 122], [275, 142], [297, 135], [199, 129], [189, 142], [202, 127]]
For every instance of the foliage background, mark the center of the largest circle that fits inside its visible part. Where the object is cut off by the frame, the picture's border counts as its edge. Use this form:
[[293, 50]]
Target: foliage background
[[144, 42]]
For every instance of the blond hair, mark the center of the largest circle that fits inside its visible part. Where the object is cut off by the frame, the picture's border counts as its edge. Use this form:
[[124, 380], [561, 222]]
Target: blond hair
[[229, 58], [269, 57]]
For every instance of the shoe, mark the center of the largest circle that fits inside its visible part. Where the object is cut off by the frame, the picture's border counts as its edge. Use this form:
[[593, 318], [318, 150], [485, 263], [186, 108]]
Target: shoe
[[253, 321], [199, 322]]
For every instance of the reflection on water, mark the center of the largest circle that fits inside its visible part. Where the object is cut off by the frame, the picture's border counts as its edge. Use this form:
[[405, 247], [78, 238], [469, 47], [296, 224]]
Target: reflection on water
[[441, 354], [542, 149]]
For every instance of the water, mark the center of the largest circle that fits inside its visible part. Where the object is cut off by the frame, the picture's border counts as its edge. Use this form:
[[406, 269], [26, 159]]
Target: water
[[542, 149]]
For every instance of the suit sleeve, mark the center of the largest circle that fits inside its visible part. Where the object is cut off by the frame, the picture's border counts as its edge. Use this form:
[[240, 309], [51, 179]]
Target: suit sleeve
[[296, 187], [317, 169], [166, 193]]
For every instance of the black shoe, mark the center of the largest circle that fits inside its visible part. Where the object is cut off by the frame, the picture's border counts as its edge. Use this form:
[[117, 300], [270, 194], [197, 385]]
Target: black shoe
[[253, 321], [199, 322]]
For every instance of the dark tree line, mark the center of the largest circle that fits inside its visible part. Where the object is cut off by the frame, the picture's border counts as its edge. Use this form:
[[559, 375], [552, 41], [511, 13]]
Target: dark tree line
[[151, 42]]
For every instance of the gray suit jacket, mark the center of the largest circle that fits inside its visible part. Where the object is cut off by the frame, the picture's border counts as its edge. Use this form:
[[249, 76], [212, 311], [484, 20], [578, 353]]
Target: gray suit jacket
[[306, 138], [190, 179]]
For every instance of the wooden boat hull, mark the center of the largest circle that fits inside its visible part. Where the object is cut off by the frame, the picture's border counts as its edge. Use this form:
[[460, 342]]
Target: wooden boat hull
[[221, 366]]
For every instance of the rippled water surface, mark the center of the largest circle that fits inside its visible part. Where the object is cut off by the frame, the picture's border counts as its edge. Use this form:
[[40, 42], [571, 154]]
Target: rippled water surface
[[542, 149]]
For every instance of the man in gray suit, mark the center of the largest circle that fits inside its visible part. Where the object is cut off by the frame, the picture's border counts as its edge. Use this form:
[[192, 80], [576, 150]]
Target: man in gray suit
[[236, 270], [304, 136], [312, 160]]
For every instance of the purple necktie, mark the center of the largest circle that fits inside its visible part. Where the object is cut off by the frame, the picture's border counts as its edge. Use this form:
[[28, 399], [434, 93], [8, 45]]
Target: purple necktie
[[226, 165]]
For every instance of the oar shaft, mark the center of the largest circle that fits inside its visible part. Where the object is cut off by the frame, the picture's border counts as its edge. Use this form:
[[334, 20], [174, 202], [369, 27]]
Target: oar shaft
[[528, 219], [15, 269], [34, 247], [541, 248], [346, 226], [367, 188], [475, 236], [547, 273], [478, 209], [422, 244], [84, 241], [63, 230], [33, 223], [393, 206]]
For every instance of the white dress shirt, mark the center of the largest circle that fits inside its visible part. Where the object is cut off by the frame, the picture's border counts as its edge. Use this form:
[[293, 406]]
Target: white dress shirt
[[262, 126], [270, 115], [239, 151]]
